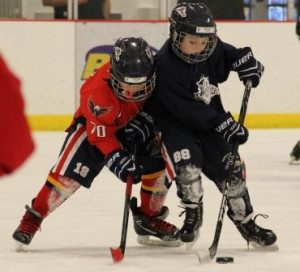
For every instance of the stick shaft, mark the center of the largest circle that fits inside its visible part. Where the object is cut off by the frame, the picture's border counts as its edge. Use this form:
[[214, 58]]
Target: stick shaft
[[126, 214], [214, 246], [118, 253]]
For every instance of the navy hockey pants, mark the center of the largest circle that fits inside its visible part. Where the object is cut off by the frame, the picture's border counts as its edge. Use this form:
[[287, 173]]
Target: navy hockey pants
[[188, 154]]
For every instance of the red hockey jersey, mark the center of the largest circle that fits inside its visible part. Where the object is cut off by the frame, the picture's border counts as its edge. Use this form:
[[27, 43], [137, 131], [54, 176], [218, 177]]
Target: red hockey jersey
[[16, 142], [105, 113]]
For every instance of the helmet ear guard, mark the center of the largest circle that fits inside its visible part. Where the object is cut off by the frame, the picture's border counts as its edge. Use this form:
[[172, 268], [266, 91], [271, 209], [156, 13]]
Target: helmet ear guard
[[132, 64], [194, 19]]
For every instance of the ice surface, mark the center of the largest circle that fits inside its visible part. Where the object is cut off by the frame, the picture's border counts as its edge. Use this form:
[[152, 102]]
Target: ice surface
[[77, 236]]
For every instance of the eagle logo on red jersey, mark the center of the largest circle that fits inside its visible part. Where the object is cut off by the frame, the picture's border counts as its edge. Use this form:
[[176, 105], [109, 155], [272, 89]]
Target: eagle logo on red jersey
[[97, 110]]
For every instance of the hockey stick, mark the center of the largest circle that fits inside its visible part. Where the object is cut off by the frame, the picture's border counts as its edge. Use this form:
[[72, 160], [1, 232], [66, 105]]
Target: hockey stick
[[208, 254], [118, 253]]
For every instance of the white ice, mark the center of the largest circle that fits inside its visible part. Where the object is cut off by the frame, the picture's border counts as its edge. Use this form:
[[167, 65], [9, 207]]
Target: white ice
[[77, 236]]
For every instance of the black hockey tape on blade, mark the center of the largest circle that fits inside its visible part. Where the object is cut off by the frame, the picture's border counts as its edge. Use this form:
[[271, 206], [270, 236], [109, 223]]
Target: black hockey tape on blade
[[224, 260]]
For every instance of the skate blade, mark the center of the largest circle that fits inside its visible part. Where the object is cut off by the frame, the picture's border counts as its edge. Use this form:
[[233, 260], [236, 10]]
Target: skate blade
[[189, 245], [273, 247], [19, 247], [294, 161], [146, 241]]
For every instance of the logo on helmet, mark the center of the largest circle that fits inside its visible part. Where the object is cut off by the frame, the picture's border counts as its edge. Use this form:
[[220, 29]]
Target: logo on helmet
[[117, 53], [181, 11], [205, 30], [149, 53]]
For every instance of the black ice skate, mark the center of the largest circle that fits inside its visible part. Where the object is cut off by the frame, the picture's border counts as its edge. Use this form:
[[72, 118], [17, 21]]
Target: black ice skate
[[256, 235], [30, 223], [295, 154], [147, 226], [189, 232]]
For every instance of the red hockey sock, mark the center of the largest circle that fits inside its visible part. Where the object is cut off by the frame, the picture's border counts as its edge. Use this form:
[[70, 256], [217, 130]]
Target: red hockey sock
[[153, 193], [54, 192]]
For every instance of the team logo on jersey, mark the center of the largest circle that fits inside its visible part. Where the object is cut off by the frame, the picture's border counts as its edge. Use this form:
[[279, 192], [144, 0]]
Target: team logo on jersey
[[97, 110], [205, 90]]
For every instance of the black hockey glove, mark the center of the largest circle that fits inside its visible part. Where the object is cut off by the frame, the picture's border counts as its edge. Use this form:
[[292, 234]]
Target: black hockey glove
[[120, 163], [298, 29], [248, 68], [230, 130], [140, 128]]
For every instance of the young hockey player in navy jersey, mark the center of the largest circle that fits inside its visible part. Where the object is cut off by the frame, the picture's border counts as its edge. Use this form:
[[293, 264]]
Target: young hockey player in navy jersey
[[109, 117], [196, 132]]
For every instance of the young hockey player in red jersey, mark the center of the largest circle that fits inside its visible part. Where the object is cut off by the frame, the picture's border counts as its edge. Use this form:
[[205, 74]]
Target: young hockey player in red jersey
[[196, 132], [109, 116], [16, 141]]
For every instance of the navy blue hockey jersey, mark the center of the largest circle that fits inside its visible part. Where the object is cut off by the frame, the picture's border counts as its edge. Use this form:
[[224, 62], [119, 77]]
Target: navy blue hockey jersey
[[189, 93]]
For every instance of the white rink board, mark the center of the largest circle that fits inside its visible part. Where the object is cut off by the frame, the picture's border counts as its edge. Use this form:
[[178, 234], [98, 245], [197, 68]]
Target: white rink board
[[49, 58], [42, 55]]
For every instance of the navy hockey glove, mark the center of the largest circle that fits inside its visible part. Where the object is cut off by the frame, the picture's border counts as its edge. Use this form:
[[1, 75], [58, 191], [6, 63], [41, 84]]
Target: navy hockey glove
[[248, 68], [140, 128], [230, 130], [120, 163]]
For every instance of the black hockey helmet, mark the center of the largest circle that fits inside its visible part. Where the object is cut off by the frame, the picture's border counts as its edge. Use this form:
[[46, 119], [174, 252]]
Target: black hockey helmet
[[194, 19], [132, 63]]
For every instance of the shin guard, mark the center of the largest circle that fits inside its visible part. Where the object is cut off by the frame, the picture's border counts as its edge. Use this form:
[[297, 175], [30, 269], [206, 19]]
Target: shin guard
[[153, 193], [54, 192]]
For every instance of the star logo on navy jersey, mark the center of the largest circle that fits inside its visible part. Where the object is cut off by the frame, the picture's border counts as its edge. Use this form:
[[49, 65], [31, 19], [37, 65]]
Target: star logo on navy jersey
[[97, 110], [205, 90]]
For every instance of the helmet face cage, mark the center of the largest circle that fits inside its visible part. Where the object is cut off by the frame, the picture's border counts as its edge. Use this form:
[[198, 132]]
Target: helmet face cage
[[142, 94], [132, 64], [194, 19], [193, 58]]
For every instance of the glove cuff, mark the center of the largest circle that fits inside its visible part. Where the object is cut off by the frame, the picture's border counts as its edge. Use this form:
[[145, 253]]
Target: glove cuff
[[112, 156], [223, 122], [242, 59]]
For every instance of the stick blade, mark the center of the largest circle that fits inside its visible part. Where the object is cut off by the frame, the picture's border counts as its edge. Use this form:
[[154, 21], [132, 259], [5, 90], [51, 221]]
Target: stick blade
[[116, 254], [204, 256]]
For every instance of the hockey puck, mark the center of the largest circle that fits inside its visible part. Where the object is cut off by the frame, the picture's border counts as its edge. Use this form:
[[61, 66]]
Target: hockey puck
[[224, 260]]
